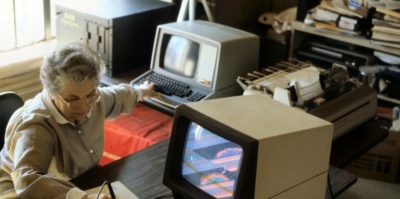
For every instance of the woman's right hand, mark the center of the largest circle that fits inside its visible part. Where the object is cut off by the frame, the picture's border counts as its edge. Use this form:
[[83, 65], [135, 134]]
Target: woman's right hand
[[94, 196], [148, 90]]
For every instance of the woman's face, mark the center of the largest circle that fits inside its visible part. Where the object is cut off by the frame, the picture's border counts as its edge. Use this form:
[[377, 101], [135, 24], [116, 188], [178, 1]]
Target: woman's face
[[76, 99]]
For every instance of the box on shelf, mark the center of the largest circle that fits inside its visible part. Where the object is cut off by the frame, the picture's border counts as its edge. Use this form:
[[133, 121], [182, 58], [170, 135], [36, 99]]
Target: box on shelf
[[381, 162]]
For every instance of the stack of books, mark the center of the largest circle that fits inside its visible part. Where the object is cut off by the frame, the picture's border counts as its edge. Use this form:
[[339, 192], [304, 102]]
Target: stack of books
[[335, 15], [386, 28]]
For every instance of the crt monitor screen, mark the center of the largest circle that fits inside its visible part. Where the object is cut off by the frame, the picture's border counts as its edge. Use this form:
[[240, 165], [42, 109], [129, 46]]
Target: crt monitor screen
[[180, 55], [210, 162]]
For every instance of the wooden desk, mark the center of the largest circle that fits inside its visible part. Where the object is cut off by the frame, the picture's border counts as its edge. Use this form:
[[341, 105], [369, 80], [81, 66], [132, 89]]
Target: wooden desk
[[142, 173]]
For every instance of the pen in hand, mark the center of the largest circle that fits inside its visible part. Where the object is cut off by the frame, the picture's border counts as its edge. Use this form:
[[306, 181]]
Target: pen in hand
[[111, 190], [99, 195]]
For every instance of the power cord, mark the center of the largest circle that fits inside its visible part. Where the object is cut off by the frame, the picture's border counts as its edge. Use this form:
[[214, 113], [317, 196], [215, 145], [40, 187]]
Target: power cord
[[101, 189]]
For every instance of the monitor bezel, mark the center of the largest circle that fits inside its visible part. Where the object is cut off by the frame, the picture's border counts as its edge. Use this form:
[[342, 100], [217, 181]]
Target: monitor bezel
[[172, 174], [158, 55]]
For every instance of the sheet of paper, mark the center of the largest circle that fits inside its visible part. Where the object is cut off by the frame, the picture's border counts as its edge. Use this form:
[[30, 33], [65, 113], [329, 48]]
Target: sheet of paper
[[121, 192]]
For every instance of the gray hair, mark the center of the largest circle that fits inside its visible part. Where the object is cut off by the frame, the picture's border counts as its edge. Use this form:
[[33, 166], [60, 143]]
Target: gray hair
[[75, 61]]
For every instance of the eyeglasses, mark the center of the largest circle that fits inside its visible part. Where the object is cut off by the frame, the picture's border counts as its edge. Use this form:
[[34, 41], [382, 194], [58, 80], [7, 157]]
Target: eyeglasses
[[91, 99]]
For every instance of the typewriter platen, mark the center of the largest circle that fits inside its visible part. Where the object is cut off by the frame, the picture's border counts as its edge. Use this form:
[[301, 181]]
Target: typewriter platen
[[329, 94]]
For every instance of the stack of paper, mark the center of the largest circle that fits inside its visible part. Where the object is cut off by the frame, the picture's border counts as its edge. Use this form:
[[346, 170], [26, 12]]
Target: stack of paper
[[306, 82], [386, 28], [335, 15]]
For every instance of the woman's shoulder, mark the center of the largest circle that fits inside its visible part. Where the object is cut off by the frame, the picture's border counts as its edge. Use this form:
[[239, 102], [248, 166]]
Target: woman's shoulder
[[35, 108], [32, 112]]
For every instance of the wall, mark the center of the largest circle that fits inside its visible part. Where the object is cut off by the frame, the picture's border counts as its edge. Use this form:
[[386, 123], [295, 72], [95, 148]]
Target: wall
[[22, 78], [279, 5]]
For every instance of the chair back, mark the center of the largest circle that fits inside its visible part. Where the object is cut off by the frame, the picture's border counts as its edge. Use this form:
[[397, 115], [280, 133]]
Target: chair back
[[9, 103]]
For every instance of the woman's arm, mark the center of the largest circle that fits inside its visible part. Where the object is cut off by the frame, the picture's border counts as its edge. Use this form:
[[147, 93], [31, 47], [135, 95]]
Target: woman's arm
[[32, 149], [122, 98]]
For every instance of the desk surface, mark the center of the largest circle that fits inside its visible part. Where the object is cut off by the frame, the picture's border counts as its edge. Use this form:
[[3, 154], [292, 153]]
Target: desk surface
[[142, 173]]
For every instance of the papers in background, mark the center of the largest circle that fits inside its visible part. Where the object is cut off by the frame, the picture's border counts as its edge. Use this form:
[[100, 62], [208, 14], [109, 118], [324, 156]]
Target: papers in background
[[386, 28], [336, 16], [340, 7]]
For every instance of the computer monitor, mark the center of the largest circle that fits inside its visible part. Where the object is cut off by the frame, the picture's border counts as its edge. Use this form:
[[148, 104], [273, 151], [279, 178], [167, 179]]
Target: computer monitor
[[204, 57], [247, 147], [181, 56]]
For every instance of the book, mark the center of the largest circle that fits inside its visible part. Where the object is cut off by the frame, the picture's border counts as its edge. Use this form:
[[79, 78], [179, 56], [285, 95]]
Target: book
[[321, 14], [395, 38], [386, 43], [120, 191], [338, 6], [385, 23], [388, 12], [392, 19], [395, 31], [333, 27], [386, 18], [349, 23]]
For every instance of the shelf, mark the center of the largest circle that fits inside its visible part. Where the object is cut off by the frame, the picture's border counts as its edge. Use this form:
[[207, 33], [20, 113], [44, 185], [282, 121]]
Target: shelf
[[352, 39]]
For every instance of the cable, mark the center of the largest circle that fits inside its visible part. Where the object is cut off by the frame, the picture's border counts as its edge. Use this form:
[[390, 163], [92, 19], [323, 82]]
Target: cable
[[101, 189]]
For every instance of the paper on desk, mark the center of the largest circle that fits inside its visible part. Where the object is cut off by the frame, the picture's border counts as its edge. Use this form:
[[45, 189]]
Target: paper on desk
[[121, 192]]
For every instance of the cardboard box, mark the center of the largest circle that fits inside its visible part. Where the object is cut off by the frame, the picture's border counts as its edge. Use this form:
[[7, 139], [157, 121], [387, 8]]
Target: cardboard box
[[381, 162]]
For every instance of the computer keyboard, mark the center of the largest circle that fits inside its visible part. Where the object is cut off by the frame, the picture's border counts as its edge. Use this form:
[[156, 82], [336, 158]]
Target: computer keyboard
[[167, 86]]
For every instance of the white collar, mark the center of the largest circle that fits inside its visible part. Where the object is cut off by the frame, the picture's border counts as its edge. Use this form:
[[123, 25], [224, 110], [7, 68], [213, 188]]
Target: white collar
[[53, 110]]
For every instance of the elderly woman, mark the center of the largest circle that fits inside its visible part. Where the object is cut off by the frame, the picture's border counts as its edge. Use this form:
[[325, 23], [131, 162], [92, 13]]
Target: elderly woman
[[58, 134]]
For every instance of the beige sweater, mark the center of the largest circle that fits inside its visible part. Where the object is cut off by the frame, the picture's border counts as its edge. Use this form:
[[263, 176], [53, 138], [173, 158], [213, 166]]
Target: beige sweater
[[43, 150]]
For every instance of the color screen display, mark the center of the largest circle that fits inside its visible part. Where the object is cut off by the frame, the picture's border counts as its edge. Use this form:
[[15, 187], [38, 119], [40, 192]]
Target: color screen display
[[211, 162]]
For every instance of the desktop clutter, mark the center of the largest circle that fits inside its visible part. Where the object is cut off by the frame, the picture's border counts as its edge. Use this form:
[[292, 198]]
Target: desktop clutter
[[378, 20], [374, 57]]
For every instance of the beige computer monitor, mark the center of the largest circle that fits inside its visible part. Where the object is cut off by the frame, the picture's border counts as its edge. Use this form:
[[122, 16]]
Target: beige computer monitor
[[291, 147]]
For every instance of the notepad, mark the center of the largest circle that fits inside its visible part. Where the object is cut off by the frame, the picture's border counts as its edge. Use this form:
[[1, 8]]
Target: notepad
[[120, 190]]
